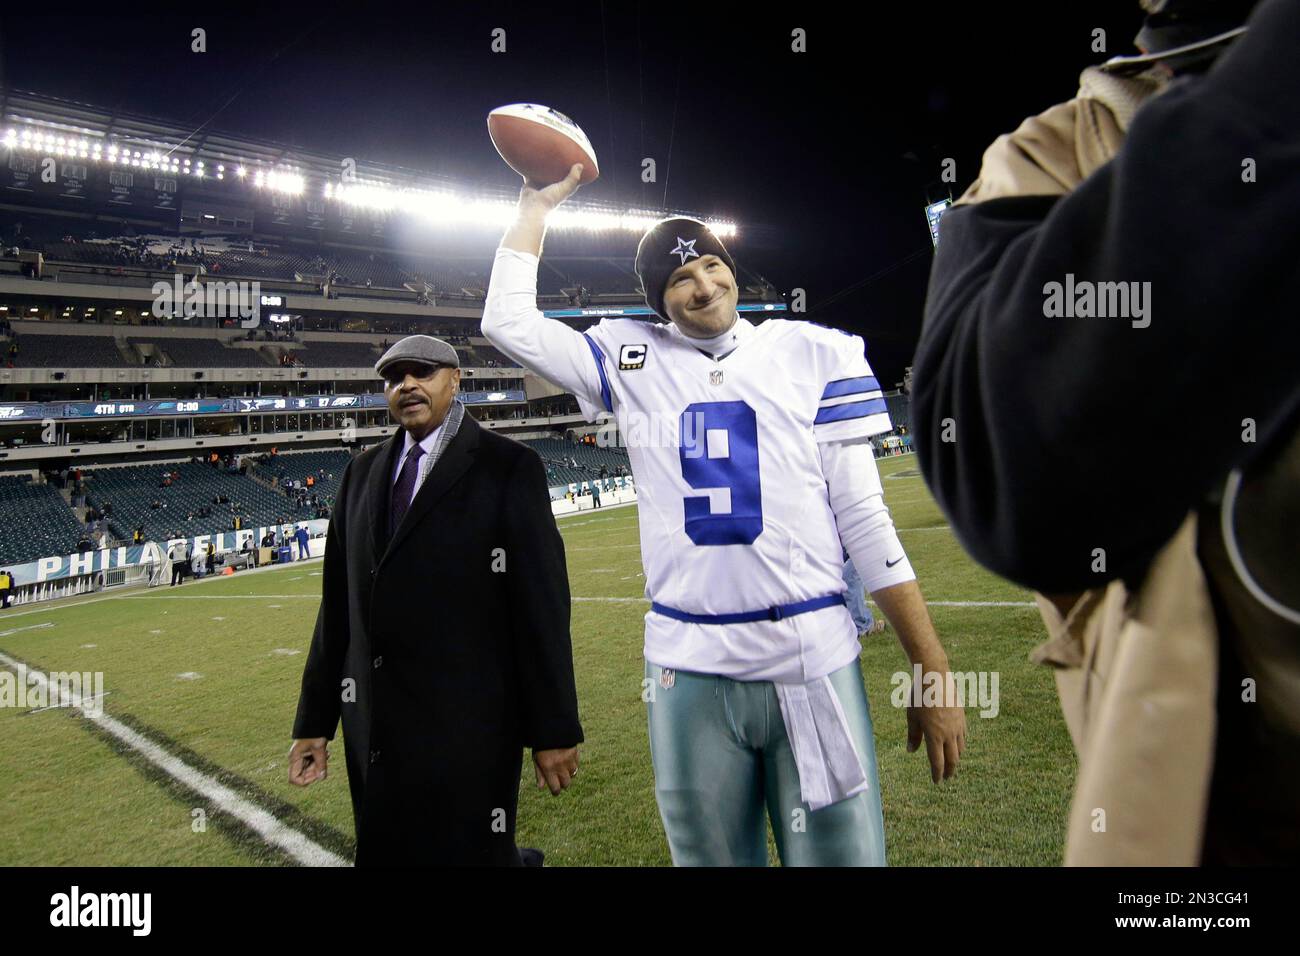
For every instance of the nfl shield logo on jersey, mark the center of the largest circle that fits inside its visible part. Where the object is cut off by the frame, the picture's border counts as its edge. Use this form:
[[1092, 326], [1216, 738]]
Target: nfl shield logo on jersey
[[667, 678], [715, 377]]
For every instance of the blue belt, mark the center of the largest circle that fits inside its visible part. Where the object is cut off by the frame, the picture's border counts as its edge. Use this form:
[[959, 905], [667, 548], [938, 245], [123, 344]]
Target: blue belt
[[744, 617]]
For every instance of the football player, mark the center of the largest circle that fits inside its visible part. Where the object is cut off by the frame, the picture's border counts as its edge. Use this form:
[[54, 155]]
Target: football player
[[750, 449]]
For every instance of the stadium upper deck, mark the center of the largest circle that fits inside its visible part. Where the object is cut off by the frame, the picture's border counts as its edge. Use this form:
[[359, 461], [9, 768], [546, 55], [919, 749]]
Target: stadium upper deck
[[106, 194]]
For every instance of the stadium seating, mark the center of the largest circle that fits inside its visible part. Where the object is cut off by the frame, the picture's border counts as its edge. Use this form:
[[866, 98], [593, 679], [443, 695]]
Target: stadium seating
[[203, 353], [68, 351], [37, 523], [301, 464], [486, 355], [556, 454], [335, 354], [597, 276], [134, 488]]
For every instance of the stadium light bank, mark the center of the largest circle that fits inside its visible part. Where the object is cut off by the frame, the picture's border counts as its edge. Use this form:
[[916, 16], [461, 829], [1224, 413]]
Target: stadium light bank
[[446, 206], [440, 206]]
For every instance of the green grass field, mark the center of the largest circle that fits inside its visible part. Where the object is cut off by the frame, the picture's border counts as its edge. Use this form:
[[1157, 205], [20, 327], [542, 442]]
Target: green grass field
[[210, 673]]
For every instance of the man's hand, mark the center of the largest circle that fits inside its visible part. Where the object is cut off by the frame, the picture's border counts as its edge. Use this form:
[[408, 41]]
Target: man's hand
[[548, 197], [308, 760], [555, 768], [944, 730], [536, 200]]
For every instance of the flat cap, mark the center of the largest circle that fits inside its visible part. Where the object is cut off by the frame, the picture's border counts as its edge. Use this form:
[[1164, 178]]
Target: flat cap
[[419, 348]]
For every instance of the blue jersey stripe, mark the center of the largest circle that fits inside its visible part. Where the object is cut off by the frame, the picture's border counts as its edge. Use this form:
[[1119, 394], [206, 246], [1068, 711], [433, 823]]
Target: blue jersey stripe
[[849, 386], [600, 367], [838, 413]]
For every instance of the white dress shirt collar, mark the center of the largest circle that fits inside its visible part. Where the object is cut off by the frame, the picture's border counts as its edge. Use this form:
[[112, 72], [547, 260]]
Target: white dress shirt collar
[[429, 442]]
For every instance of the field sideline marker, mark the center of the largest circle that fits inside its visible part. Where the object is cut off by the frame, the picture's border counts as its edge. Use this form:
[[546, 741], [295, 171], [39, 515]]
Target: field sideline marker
[[263, 823]]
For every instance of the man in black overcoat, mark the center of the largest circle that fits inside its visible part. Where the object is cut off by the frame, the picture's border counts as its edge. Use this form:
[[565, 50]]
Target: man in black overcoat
[[443, 634]]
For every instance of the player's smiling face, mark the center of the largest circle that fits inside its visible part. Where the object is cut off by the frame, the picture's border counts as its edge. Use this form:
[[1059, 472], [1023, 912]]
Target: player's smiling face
[[701, 297]]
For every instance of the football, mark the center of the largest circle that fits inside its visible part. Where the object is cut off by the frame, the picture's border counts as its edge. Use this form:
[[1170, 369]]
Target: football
[[541, 144]]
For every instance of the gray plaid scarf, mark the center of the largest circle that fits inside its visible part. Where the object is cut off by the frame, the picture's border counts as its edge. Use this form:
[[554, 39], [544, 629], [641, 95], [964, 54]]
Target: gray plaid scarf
[[450, 425]]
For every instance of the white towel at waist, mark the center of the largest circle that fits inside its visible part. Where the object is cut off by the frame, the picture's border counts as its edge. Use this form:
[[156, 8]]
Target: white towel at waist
[[830, 769]]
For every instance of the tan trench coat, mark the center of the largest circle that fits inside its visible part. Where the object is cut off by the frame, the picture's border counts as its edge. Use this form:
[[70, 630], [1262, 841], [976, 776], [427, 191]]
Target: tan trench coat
[[1136, 670]]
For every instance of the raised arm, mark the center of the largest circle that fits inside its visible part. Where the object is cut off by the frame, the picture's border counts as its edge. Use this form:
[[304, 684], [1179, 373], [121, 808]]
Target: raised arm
[[511, 319]]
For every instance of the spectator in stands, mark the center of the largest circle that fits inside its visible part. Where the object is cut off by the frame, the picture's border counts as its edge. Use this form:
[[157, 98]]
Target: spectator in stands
[[137, 536], [491, 684]]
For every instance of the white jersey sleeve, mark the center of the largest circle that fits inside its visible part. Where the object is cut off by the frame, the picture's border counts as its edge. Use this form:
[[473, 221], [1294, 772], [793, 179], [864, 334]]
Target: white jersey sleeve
[[852, 406], [560, 354], [866, 529]]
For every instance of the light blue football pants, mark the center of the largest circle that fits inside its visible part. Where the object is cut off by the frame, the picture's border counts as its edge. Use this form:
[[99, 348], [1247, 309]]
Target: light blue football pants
[[721, 756], [856, 598]]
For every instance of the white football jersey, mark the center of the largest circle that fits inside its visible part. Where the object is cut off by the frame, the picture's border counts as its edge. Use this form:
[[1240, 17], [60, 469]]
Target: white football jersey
[[734, 510]]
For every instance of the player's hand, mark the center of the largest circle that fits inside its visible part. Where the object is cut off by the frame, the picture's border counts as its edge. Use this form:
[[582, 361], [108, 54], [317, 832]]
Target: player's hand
[[944, 731], [308, 760], [548, 197], [555, 769]]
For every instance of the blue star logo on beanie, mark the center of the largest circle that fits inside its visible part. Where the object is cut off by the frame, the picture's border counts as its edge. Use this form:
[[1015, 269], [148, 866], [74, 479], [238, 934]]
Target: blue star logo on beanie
[[684, 249]]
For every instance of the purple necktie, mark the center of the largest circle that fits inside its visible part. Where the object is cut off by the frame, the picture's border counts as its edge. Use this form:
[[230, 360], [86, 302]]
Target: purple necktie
[[403, 487]]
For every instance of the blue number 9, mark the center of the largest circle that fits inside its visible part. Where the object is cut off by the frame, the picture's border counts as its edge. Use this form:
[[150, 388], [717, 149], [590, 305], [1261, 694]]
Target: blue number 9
[[737, 471]]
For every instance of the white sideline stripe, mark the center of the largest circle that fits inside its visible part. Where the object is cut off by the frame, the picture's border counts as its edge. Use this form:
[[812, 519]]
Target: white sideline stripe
[[579, 514], [58, 604], [588, 511], [300, 847], [213, 597], [977, 604], [633, 600], [29, 627]]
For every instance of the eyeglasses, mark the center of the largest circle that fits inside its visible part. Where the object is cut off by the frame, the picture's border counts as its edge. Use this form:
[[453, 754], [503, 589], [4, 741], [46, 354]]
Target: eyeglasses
[[395, 375]]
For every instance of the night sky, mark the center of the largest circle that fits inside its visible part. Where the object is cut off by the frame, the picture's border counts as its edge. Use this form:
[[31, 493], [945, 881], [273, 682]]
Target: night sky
[[824, 158]]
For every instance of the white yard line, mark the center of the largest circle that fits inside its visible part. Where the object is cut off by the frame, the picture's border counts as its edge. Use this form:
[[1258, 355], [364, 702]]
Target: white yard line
[[641, 600], [978, 604], [29, 627], [213, 597], [270, 829]]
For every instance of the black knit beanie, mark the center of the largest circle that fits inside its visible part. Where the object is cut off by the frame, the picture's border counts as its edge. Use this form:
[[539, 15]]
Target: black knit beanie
[[669, 244]]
